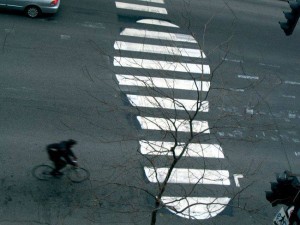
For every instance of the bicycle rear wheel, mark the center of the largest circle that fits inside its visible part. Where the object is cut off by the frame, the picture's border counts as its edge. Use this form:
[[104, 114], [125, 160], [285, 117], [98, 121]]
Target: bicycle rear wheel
[[42, 172], [78, 174]]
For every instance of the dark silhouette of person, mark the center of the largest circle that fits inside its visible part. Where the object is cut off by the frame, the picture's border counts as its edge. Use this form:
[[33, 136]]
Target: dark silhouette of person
[[61, 155]]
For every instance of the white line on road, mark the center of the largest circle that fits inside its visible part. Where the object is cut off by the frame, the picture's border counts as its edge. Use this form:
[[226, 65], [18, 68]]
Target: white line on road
[[158, 35], [168, 103], [233, 60], [269, 65], [158, 82], [289, 96], [157, 22], [155, 123], [236, 179], [65, 37], [248, 77], [193, 149], [236, 90], [291, 82], [155, 1], [144, 8], [161, 65], [158, 49], [188, 176], [199, 208]]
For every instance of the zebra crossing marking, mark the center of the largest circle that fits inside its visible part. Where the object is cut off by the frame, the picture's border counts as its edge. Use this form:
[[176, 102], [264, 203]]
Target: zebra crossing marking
[[158, 35], [188, 176], [155, 1], [189, 207], [168, 103], [156, 123], [157, 23], [196, 207], [158, 82], [193, 149], [161, 65], [158, 49], [144, 8]]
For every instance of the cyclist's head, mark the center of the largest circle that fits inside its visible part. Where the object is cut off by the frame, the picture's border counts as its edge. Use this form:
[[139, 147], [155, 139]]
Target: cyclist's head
[[71, 142]]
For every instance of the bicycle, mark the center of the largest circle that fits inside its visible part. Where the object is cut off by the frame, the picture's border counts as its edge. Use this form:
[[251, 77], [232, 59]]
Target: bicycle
[[73, 173]]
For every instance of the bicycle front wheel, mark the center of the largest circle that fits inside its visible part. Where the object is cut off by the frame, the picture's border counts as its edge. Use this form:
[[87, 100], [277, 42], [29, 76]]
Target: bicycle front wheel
[[78, 174], [42, 172]]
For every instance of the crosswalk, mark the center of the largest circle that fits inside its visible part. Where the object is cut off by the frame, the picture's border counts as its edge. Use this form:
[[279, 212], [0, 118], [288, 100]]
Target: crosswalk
[[151, 40]]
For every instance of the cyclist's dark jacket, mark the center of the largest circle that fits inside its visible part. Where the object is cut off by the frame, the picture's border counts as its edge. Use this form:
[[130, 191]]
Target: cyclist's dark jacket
[[59, 151]]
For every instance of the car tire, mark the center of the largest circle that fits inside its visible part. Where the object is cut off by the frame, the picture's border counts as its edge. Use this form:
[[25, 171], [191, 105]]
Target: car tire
[[32, 11]]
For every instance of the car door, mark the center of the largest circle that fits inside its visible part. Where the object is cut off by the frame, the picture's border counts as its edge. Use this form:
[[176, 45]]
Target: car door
[[16, 4], [2, 3]]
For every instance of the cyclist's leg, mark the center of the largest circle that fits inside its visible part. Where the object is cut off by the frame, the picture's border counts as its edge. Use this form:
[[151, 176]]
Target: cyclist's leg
[[59, 164]]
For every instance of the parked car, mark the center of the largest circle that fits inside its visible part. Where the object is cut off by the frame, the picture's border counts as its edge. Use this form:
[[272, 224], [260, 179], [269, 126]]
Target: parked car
[[32, 8]]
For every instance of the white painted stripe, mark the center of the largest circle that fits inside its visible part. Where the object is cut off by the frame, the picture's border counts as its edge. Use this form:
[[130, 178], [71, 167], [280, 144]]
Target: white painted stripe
[[289, 96], [144, 8], [158, 35], [168, 103], [155, 1], [199, 208], [248, 77], [269, 65], [188, 176], [233, 60], [291, 82], [157, 22], [158, 49], [65, 37], [236, 90], [236, 179], [158, 82], [161, 65], [193, 149], [154, 123]]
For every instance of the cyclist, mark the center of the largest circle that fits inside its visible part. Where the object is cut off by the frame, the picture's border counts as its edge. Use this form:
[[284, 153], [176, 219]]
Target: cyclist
[[61, 155]]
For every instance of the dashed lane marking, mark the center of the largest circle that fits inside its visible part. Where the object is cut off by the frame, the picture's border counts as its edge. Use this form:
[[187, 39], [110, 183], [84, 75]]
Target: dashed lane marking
[[289, 96], [292, 82], [248, 77], [65, 37]]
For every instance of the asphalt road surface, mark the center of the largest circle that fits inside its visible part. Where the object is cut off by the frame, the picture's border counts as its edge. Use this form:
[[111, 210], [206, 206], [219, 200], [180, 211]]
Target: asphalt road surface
[[59, 80]]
